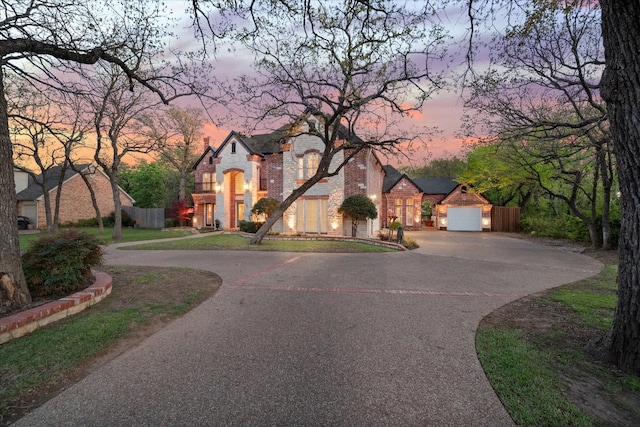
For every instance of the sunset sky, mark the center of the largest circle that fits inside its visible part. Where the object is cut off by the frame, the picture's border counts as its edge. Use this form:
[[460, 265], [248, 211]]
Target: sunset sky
[[443, 110]]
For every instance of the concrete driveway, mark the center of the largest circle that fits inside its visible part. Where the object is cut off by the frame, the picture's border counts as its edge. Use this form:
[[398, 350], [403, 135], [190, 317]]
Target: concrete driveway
[[323, 339]]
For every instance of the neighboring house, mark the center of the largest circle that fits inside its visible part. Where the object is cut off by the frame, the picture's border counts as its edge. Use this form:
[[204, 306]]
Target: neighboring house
[[453, 208], [75, 199], [233, 177]]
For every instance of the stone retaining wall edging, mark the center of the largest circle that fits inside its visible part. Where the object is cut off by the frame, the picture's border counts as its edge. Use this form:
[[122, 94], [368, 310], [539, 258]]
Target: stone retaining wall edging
[[27, 321]]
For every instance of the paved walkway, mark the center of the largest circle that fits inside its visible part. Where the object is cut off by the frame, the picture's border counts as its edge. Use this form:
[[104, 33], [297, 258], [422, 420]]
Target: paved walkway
[[323, 339]]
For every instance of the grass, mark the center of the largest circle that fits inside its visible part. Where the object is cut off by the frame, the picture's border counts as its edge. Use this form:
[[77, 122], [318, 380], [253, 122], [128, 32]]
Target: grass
[[238, 242], [524, 381], [529, 368], [142, 297], [128, 235], [594, 300], [41, 356]]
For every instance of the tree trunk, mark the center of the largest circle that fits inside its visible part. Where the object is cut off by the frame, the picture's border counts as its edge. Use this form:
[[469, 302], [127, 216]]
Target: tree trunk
[[604, 162], [14, 292], [620, 88], [117, 210], [182, 189], [277, 214]]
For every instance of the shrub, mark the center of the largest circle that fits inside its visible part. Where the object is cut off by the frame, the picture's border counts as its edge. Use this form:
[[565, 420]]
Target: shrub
[[127, 221], [170, 222], [60, 264], [87, 222], [410, 244], [558, 227], [249, 226], [265, 207]]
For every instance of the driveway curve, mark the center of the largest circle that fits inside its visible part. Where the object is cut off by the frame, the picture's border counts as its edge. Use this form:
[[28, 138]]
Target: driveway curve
[[323, 339]]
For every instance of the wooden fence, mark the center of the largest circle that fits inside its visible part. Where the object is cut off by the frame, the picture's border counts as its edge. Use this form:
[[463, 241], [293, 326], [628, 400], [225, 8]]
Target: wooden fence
[[505, 219], [146, 218]]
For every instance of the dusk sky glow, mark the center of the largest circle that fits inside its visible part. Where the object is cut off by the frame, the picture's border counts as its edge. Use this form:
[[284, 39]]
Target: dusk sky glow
[[443, 110]]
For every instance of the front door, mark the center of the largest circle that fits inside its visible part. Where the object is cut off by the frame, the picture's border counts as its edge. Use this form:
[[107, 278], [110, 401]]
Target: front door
[[239, 212], [208, 215]]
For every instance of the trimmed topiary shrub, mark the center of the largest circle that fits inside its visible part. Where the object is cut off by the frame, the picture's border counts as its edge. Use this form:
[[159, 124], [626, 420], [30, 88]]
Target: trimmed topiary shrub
[[249, 226], [60, 264]]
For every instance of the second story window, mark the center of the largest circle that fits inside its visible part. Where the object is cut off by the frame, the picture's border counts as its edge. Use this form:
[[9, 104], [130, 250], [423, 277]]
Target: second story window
[[311, 162], [233, 147], [208, 181]]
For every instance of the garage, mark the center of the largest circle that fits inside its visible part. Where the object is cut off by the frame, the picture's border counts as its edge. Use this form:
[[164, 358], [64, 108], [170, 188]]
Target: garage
[[464, 218]]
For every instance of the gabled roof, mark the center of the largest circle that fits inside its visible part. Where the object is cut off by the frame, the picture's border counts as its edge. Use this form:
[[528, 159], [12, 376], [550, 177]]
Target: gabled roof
[[270, 143], [436, 185], [479, 197], [441, 186], [391, 177], [34, 189]]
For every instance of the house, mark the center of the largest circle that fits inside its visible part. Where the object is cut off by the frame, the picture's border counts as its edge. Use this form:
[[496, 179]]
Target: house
[[75, 199], [231, 178], [453, 207]]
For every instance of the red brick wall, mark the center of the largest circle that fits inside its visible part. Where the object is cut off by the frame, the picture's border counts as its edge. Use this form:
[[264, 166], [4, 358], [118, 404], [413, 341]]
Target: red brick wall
[[272, 167], [355, 175], [75, 200], [203, 167], [408, 191], [459, 198]]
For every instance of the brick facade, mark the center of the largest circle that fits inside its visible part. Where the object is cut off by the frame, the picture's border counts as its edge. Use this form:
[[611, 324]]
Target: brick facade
[[267, 170], [460, 197], [404, 202], [75, 199]]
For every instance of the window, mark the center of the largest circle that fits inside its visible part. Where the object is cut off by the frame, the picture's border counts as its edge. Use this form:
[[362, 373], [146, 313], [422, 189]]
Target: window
[[398, 213], [208, 182], [308, 165], [233, 148], [312, 215], [312, 164], [409, 212]]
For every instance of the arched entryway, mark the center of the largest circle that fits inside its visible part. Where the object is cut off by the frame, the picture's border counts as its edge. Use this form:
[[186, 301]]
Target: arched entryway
[[234, 189]]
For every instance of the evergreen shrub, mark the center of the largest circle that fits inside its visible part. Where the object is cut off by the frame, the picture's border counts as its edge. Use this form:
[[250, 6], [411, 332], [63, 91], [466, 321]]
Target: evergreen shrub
[[60, 264]]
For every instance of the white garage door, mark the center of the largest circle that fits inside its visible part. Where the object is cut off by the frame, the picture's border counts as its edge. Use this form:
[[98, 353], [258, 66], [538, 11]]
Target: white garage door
[[464, 219]]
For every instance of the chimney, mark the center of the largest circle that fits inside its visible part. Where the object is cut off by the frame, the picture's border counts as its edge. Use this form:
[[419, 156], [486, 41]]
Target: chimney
[[206, 143]]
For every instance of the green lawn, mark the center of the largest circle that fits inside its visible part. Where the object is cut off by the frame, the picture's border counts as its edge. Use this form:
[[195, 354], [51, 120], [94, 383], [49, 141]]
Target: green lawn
[[531, 368], [238, 242], [128, 235]]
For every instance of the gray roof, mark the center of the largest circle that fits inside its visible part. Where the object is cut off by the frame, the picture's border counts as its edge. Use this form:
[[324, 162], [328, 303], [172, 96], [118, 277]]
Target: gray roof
[[436, 185], [427, 185], [391, 178], [268, 143], [34, 189]]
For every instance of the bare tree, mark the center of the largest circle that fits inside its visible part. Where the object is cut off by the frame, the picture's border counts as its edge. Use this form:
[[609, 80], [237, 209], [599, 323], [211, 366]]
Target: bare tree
[[178, 134], [119, 129], [542, 96], [45, 134], [620, 89], [356, 67], [43, 41]]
